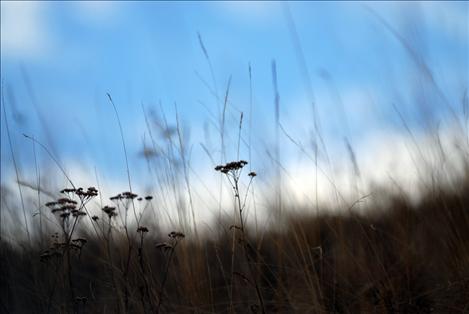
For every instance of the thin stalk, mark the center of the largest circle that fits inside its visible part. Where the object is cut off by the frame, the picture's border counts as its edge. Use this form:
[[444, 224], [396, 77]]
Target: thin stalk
[[111, 267], [124, 148], [16, 167], [244, 241], [165, 277], [39, 207], [182, 152]]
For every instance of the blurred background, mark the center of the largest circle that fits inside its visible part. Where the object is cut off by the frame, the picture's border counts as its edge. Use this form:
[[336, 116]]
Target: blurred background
[[337, 100]]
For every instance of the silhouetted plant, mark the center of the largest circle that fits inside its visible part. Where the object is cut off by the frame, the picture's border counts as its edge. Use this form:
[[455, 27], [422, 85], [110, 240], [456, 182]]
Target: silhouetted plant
[[69, 212], [233, 171], [170, 246]]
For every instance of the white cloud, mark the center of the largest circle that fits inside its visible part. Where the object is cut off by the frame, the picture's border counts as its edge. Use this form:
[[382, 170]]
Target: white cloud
[[386, 159], [23, 29]]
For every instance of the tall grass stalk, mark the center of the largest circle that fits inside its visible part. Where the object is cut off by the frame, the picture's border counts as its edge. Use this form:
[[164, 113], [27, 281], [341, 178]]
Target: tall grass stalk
[[15, 165]]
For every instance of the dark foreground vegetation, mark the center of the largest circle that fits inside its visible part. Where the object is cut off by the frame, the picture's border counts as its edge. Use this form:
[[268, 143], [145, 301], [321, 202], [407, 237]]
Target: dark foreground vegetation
[[394, 258]]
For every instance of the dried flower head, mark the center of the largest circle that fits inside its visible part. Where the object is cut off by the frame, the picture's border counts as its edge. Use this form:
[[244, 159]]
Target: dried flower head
[[108, 209], [93, 189], [95, 218], [176, 235], [231, 166], [67, 190], [78, 213], [115, 198], [71, 207], [50, 253], [88, 194], [64, 201], [79, 241], [142, 229], [252, 174], [164, 246], [148, 198], [129, 195]]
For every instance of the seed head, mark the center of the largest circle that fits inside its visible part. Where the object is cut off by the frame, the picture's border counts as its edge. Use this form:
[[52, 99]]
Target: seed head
[[51, 204], [142, 229], [115, 198], [129, 195], [176, 235], [80, 241], [89, 193], [71, 207], [164, 246], [78, 213], [64, 201], [108, 209], [231, 166]]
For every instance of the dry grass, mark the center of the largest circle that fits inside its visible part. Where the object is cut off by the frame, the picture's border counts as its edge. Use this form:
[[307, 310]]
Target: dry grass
[[406, 259], [396, 257]]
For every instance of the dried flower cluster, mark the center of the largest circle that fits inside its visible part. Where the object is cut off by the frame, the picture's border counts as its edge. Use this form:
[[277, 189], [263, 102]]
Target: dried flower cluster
[[164, 246], [79, 241], [232, 170], [174, 237], [124, 196], [231, 166], [52, 252], [129, 196], [65, 207], [91, 192], [59, 248], [142, 229], [81, 193], [110, 211]]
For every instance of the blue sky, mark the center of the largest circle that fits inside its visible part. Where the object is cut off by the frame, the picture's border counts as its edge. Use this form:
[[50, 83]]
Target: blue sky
[[148, 53]]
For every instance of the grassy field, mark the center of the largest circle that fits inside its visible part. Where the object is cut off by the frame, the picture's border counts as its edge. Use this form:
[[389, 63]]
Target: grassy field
[[80, 253], [397, 257], [76, 251]]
